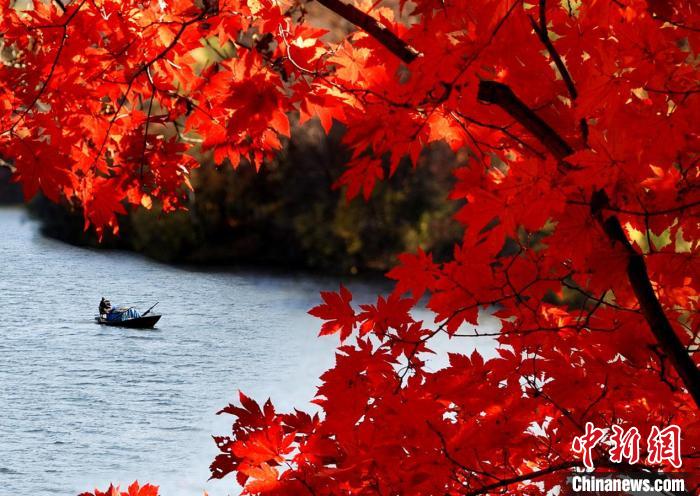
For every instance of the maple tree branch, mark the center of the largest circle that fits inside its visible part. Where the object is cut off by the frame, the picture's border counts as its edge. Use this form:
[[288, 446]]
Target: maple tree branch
[[598, 301], [666, 91], [680, 209], [144, 68], [543, 34], [502, 484], [648, 302], [637, 274], [503, 129], [501, 95], [145, 131], [445, 450], [675, 23], [52, 69], [374, 28]]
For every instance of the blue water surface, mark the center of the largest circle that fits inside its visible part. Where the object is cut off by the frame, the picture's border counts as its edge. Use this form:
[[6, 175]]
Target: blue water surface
[[82, 405]]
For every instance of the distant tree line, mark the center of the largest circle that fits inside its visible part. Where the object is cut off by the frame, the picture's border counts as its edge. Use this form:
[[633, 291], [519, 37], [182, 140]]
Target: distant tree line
[[10, 193], [287, 215]]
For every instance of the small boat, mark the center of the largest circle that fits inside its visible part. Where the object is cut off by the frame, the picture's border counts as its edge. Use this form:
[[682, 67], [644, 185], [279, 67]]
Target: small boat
[[129, 317], [145, 322]]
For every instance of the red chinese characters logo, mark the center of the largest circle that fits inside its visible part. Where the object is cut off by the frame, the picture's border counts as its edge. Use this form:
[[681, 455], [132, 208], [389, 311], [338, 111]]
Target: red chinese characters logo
[[663, 445], [625, 445], [586, 443]]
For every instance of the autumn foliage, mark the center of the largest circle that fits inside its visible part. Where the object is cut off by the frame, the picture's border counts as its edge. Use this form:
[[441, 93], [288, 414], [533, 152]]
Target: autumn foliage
[[581, 212], [133, 490]]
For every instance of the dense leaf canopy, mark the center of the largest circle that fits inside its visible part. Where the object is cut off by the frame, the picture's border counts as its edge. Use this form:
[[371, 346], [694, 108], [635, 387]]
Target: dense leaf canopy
[[581, 215]]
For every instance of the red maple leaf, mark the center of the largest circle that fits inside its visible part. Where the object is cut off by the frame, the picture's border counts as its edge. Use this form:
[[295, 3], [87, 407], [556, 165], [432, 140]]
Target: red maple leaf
[[337, 312]]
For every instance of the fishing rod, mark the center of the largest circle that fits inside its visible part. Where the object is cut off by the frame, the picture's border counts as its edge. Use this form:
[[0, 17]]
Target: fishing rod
[[148, 311]]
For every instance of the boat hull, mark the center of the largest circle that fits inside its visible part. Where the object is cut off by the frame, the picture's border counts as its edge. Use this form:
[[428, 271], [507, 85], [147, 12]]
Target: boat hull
[[146, 322]]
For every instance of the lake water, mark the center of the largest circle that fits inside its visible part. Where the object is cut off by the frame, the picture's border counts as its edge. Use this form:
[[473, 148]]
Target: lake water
[[82, 405]]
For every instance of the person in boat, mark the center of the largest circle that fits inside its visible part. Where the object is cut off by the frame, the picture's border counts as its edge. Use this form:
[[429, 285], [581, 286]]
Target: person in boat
[[105, 307], [113, 314]]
